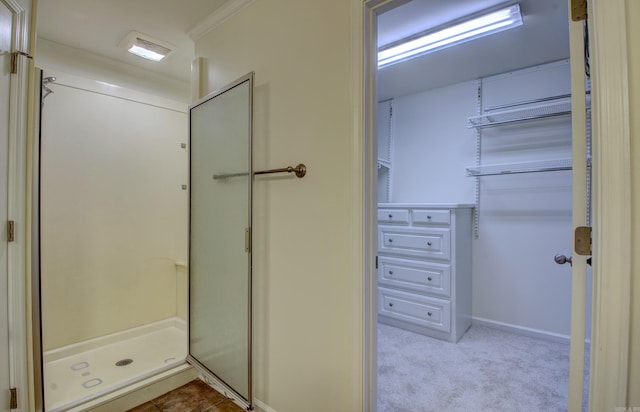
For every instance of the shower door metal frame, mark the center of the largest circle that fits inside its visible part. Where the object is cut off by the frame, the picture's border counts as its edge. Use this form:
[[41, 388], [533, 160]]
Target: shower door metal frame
[[36, 311], [210, 375]]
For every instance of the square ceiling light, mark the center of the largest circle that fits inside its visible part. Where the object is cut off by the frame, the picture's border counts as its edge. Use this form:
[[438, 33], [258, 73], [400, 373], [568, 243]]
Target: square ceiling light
[[146, 46], [456, 32]]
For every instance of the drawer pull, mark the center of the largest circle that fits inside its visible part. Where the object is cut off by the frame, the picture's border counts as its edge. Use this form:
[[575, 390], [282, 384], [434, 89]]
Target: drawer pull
[[428, 243], [391, 272], [429, 279], [390, 240], [429, 217], [390, 216], [428, 313], [390, 304]]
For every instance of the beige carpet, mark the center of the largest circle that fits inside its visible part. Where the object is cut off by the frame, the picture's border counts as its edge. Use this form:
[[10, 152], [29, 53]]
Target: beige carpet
[[487, 370]]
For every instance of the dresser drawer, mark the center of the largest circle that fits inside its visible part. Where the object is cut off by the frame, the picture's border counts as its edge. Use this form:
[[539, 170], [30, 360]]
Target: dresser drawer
[[420, 310], [393, 216], [422, 242], [431, 217], [419, 276]]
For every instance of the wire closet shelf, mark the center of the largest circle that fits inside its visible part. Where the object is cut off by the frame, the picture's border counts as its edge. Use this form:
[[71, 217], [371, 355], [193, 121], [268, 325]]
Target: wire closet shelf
[[522, 111], [547, 107]]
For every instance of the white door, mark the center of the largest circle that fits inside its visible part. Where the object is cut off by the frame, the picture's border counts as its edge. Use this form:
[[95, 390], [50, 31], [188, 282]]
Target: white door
[[580, 216], [6, 26]]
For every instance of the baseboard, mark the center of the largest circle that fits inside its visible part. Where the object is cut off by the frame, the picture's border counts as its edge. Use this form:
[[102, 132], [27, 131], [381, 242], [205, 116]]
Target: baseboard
[[262, 407], [521, 330], [257, 404]]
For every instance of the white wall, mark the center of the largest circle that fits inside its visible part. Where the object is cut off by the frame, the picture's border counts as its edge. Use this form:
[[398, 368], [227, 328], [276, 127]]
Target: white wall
[[525, 219], [432, 145], [113, 215], [306, 340]]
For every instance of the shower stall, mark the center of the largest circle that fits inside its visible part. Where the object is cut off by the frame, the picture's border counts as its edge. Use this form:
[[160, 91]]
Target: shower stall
[[113, 238]]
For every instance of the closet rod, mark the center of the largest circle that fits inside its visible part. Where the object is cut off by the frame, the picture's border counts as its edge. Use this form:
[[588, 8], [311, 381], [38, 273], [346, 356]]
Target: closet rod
[[299, 170]]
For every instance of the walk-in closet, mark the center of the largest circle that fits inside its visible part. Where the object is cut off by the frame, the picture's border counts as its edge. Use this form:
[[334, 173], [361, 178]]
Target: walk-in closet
[[474, 209]]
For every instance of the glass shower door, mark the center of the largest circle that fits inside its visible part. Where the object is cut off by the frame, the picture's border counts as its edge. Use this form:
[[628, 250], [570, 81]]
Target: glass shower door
[[219, 236]]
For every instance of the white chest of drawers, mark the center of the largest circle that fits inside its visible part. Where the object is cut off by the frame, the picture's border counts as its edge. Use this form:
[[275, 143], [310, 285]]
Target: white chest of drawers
[[424, 268]]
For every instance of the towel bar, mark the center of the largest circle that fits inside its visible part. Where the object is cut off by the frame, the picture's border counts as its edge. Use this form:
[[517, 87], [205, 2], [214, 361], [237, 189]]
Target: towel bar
[[299, 170]]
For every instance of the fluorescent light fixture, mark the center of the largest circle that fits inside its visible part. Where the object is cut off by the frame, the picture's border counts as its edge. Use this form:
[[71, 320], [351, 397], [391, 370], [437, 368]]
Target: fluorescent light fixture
[[146, 46], [468, 29]]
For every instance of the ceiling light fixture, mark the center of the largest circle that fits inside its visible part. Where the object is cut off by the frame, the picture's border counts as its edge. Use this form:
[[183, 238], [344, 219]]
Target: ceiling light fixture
[[457, 32], [146, 46]]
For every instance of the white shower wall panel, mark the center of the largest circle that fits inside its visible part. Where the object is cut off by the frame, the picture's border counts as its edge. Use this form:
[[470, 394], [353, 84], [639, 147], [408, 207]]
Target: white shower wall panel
[[114, 215], [525, 219]]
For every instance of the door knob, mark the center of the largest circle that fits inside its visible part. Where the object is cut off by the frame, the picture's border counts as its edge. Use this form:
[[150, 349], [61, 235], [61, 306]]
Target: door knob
[[562, 259]]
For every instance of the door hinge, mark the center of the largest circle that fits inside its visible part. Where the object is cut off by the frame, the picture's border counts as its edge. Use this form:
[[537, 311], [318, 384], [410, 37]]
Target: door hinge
[[14, 60], [247, 240], [13, 402], [578, 10], [582, 240], [11, 231]]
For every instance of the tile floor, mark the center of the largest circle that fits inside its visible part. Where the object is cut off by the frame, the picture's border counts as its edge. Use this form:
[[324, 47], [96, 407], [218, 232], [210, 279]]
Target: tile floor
[[195, 396]]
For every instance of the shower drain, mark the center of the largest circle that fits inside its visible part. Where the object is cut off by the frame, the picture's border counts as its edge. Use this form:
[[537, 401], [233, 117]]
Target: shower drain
[[124, 362]]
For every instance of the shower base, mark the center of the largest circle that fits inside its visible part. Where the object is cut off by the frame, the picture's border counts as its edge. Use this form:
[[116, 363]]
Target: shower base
[[83, 371]]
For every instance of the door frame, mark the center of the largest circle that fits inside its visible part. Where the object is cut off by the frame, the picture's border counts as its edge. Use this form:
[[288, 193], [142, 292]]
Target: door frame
[[608, 386], [19, 121], [608, 383]]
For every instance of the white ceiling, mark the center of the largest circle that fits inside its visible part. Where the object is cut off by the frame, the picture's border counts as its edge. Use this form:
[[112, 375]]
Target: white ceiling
[[543, 37], [98, 26]]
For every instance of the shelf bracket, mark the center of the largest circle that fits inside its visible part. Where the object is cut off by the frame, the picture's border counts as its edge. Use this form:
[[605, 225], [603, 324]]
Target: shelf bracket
[[476, 210]]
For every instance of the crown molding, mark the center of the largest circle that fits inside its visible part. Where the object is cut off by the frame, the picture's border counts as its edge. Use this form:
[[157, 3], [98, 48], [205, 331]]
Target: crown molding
[[217, 18]]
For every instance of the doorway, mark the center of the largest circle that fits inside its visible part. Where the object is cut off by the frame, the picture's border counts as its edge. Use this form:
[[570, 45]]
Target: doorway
[[512, 261]]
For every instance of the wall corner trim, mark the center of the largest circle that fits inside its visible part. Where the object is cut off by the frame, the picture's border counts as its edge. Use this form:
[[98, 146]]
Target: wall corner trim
[[217, 18]]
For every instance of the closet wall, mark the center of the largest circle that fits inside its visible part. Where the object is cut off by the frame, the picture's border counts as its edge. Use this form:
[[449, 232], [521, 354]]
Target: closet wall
[[432, 145], [524, 219]]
